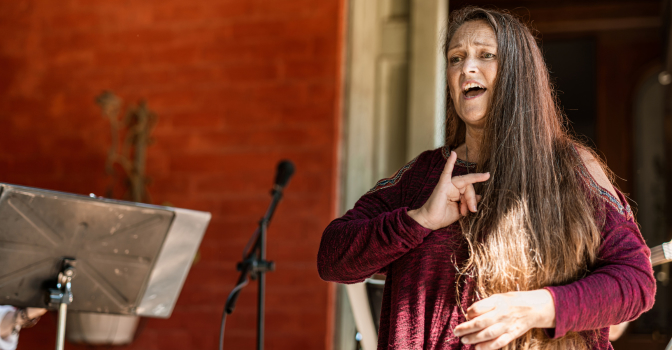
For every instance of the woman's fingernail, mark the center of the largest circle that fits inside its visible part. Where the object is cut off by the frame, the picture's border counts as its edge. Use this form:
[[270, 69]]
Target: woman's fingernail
[[464, 340]]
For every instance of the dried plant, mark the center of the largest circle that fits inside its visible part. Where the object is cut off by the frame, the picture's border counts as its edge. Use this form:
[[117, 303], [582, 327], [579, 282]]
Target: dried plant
[[129, 154]]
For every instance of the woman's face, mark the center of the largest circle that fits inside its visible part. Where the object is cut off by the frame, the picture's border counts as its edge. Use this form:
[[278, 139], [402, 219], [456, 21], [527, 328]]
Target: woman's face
[[471, 70]]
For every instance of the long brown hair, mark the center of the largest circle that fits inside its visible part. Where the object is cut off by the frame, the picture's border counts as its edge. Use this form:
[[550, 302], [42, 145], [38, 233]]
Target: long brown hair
[[536, 225]]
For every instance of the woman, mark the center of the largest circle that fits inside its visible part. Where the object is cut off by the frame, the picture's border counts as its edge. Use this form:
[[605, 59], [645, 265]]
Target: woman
[[546, 256]]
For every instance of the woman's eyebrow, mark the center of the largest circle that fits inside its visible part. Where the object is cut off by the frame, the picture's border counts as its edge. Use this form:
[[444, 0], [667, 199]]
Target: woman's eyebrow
[[476, 43], [458, 45]]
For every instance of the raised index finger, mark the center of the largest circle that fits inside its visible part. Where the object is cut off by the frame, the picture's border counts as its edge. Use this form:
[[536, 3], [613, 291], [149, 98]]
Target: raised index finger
[[448, 168]]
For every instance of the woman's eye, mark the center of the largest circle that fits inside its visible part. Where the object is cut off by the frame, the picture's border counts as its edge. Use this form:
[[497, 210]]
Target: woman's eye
[[488, 55], [454, 60]]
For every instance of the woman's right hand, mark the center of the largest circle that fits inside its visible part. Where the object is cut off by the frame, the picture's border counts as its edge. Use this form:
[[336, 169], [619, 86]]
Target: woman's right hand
[[452, 198]]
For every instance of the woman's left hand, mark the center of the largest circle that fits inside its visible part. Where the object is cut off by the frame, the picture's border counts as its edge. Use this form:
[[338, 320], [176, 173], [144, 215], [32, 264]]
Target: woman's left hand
[[499, 319]]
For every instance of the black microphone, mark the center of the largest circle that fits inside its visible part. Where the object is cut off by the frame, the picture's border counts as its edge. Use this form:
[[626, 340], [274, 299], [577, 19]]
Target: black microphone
[[254, 256], [284, 173]]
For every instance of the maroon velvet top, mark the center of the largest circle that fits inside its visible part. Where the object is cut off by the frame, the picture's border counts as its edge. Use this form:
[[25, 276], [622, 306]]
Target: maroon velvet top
[[419, 308]]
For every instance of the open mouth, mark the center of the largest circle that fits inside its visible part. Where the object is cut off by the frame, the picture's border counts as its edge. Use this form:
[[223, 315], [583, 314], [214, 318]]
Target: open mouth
[[473, 90]]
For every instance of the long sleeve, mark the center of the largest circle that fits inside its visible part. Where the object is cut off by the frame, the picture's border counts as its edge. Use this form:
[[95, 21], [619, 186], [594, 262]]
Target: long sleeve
[[619, 289], [12, 340], [376, 232]]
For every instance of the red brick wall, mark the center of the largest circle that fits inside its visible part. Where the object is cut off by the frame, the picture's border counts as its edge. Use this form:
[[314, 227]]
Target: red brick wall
[[237, 85]]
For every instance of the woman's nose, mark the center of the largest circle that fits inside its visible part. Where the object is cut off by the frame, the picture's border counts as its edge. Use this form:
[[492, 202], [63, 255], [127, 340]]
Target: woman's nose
[[470, 66]]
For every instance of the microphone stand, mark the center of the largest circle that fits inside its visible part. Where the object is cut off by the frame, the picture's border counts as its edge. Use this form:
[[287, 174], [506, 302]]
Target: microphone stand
[[255, 265]]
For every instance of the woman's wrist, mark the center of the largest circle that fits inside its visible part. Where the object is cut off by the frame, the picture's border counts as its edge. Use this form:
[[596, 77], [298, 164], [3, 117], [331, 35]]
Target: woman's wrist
[[542, 301], [418, 217]]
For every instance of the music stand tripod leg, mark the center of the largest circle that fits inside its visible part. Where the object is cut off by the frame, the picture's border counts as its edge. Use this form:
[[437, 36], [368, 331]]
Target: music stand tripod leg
[[62, 296]]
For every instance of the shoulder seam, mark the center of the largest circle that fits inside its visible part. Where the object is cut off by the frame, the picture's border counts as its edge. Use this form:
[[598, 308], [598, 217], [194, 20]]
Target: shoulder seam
[[601, 191], [394, 179]]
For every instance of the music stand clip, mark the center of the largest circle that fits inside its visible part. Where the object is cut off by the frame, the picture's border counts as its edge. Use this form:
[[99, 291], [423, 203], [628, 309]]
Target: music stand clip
[[61, 297]]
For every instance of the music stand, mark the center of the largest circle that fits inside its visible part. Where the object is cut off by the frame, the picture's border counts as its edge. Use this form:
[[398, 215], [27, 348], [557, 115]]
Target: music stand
[[65, 251]]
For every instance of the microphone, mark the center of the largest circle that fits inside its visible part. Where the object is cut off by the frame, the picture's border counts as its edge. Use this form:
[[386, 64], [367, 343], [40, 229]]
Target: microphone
[[254, 257], [283, 174]]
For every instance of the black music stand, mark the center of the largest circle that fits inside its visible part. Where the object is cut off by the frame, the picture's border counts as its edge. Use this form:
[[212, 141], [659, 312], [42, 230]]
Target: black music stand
[[65, 251]]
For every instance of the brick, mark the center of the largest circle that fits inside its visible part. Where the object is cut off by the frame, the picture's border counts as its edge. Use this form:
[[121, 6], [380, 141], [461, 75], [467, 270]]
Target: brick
[[174, 339], [113, 59], [182, 12], [196, 121], [260, 182], [309, 69], [293, 342], [162, 186], [299, 230], [278, 137], [145, 337], [257, 182], [227, 254], [298, 278], [269, 47], [310, 296], [28, 146], [283, 249], [237, 341], [34, 164], [292, 323], [89, 164], [254, 208]]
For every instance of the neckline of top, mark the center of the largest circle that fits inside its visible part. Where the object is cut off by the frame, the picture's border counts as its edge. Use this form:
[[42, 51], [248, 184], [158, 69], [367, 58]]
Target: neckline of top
[[460, 162]]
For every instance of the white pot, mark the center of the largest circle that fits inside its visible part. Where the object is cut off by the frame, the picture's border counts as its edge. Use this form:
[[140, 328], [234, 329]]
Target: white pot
[[100, 329]]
